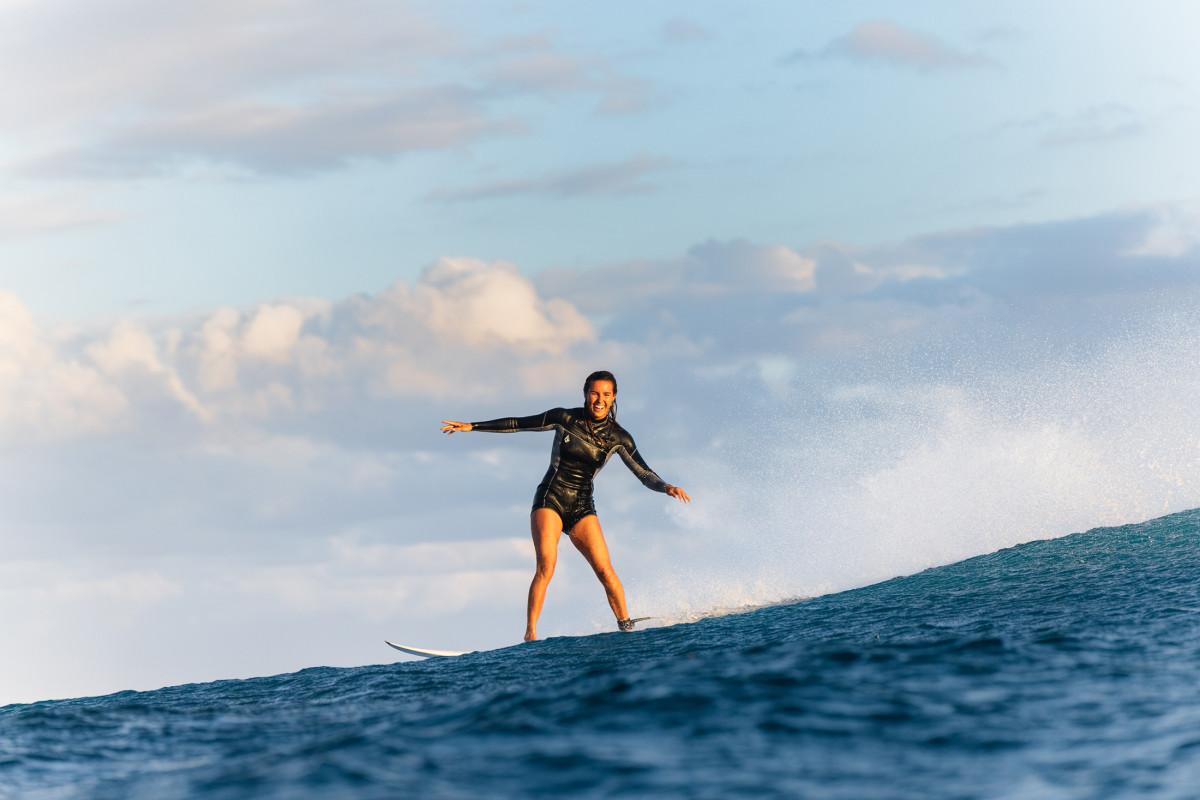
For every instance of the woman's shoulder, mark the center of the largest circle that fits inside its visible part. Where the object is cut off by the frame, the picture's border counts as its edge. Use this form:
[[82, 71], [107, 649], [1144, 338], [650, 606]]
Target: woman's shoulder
[[570, 415], [621, 435]]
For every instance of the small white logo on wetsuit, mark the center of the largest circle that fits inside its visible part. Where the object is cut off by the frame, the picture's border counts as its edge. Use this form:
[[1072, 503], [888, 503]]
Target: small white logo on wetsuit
[[566, 438]]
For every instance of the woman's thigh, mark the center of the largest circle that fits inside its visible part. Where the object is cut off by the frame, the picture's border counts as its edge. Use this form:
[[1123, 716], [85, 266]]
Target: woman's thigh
[[588, 539], [546, 526]]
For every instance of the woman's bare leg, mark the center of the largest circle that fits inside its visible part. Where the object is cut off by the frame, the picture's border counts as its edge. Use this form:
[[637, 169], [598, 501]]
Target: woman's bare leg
[[589, 540], [547, 527]]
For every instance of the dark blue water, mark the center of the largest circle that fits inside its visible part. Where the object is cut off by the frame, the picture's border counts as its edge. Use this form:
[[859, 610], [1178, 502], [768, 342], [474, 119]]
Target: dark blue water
[[1066, 668]]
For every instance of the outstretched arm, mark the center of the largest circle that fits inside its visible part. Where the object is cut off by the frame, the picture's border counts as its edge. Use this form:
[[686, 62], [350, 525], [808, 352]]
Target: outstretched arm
[[538, 422]]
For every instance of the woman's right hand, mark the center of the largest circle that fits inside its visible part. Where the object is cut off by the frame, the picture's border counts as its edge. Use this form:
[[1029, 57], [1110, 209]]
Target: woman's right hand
[[449, 427]]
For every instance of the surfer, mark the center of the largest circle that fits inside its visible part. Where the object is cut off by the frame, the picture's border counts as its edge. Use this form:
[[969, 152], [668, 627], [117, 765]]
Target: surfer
[[584, 439]]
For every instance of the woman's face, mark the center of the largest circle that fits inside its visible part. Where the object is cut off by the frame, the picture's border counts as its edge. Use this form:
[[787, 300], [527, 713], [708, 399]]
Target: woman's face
[[598, 398]]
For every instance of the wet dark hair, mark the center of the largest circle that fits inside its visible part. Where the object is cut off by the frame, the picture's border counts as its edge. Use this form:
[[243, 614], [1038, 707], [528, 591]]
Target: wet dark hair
[[602, 375]]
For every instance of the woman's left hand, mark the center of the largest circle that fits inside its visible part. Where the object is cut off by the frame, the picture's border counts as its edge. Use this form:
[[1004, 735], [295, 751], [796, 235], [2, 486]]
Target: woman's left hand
[[679, 494]]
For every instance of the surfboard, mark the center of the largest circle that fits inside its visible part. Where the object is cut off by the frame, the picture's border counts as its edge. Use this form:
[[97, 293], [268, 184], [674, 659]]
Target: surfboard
[[419, 651], [423, 653]]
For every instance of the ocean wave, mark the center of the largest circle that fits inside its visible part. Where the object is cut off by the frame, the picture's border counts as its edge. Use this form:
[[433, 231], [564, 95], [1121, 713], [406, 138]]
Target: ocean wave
[[1065, 668]]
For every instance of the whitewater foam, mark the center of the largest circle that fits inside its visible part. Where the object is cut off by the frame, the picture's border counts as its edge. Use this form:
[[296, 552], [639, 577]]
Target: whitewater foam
[[891, 467]]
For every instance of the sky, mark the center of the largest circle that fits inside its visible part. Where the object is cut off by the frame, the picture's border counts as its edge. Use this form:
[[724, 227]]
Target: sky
[[885, 285]]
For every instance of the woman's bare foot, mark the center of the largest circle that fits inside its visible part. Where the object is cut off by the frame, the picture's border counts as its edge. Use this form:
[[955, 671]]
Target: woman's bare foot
[[530, 636]]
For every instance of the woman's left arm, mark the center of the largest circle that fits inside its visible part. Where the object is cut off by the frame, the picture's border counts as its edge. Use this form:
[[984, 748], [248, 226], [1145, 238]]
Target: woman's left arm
[[649, 478]]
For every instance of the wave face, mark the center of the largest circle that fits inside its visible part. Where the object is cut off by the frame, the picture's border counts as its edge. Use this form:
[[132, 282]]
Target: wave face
[[1061, 668]]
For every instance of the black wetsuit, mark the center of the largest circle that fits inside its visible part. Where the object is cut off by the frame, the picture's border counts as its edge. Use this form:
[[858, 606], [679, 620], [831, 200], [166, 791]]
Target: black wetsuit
[[578, 454]]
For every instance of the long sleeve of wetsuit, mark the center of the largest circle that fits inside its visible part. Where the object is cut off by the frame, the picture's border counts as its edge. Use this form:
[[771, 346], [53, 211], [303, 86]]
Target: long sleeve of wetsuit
[[538, 422], [640, 469]]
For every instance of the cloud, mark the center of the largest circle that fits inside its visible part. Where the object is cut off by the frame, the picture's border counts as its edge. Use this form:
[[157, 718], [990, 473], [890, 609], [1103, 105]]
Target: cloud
[[1095, 125], [380, 581], [132, 589], [717, 271], [312, 588], [80, 62], [136, 88], [23, 215], [540, 70], [1175, 234], [533, 65], [679, 30], [1002, 33], [1079, 260], [43, 395], [274, 333], [736, 308], [130, 348], [482, 305], [624, 95], [465, 322], [885, 42], [271, 137], [621, 178]]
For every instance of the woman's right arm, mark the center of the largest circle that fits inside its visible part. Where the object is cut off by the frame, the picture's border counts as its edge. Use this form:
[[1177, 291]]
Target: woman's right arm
[[538, 422]]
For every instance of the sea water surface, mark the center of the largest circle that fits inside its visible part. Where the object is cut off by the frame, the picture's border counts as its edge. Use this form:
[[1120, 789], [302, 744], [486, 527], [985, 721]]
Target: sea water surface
[[1067, 668]]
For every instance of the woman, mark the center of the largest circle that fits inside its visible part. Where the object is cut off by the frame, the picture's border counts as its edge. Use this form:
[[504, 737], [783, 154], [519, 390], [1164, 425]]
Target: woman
[[584, 439]]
